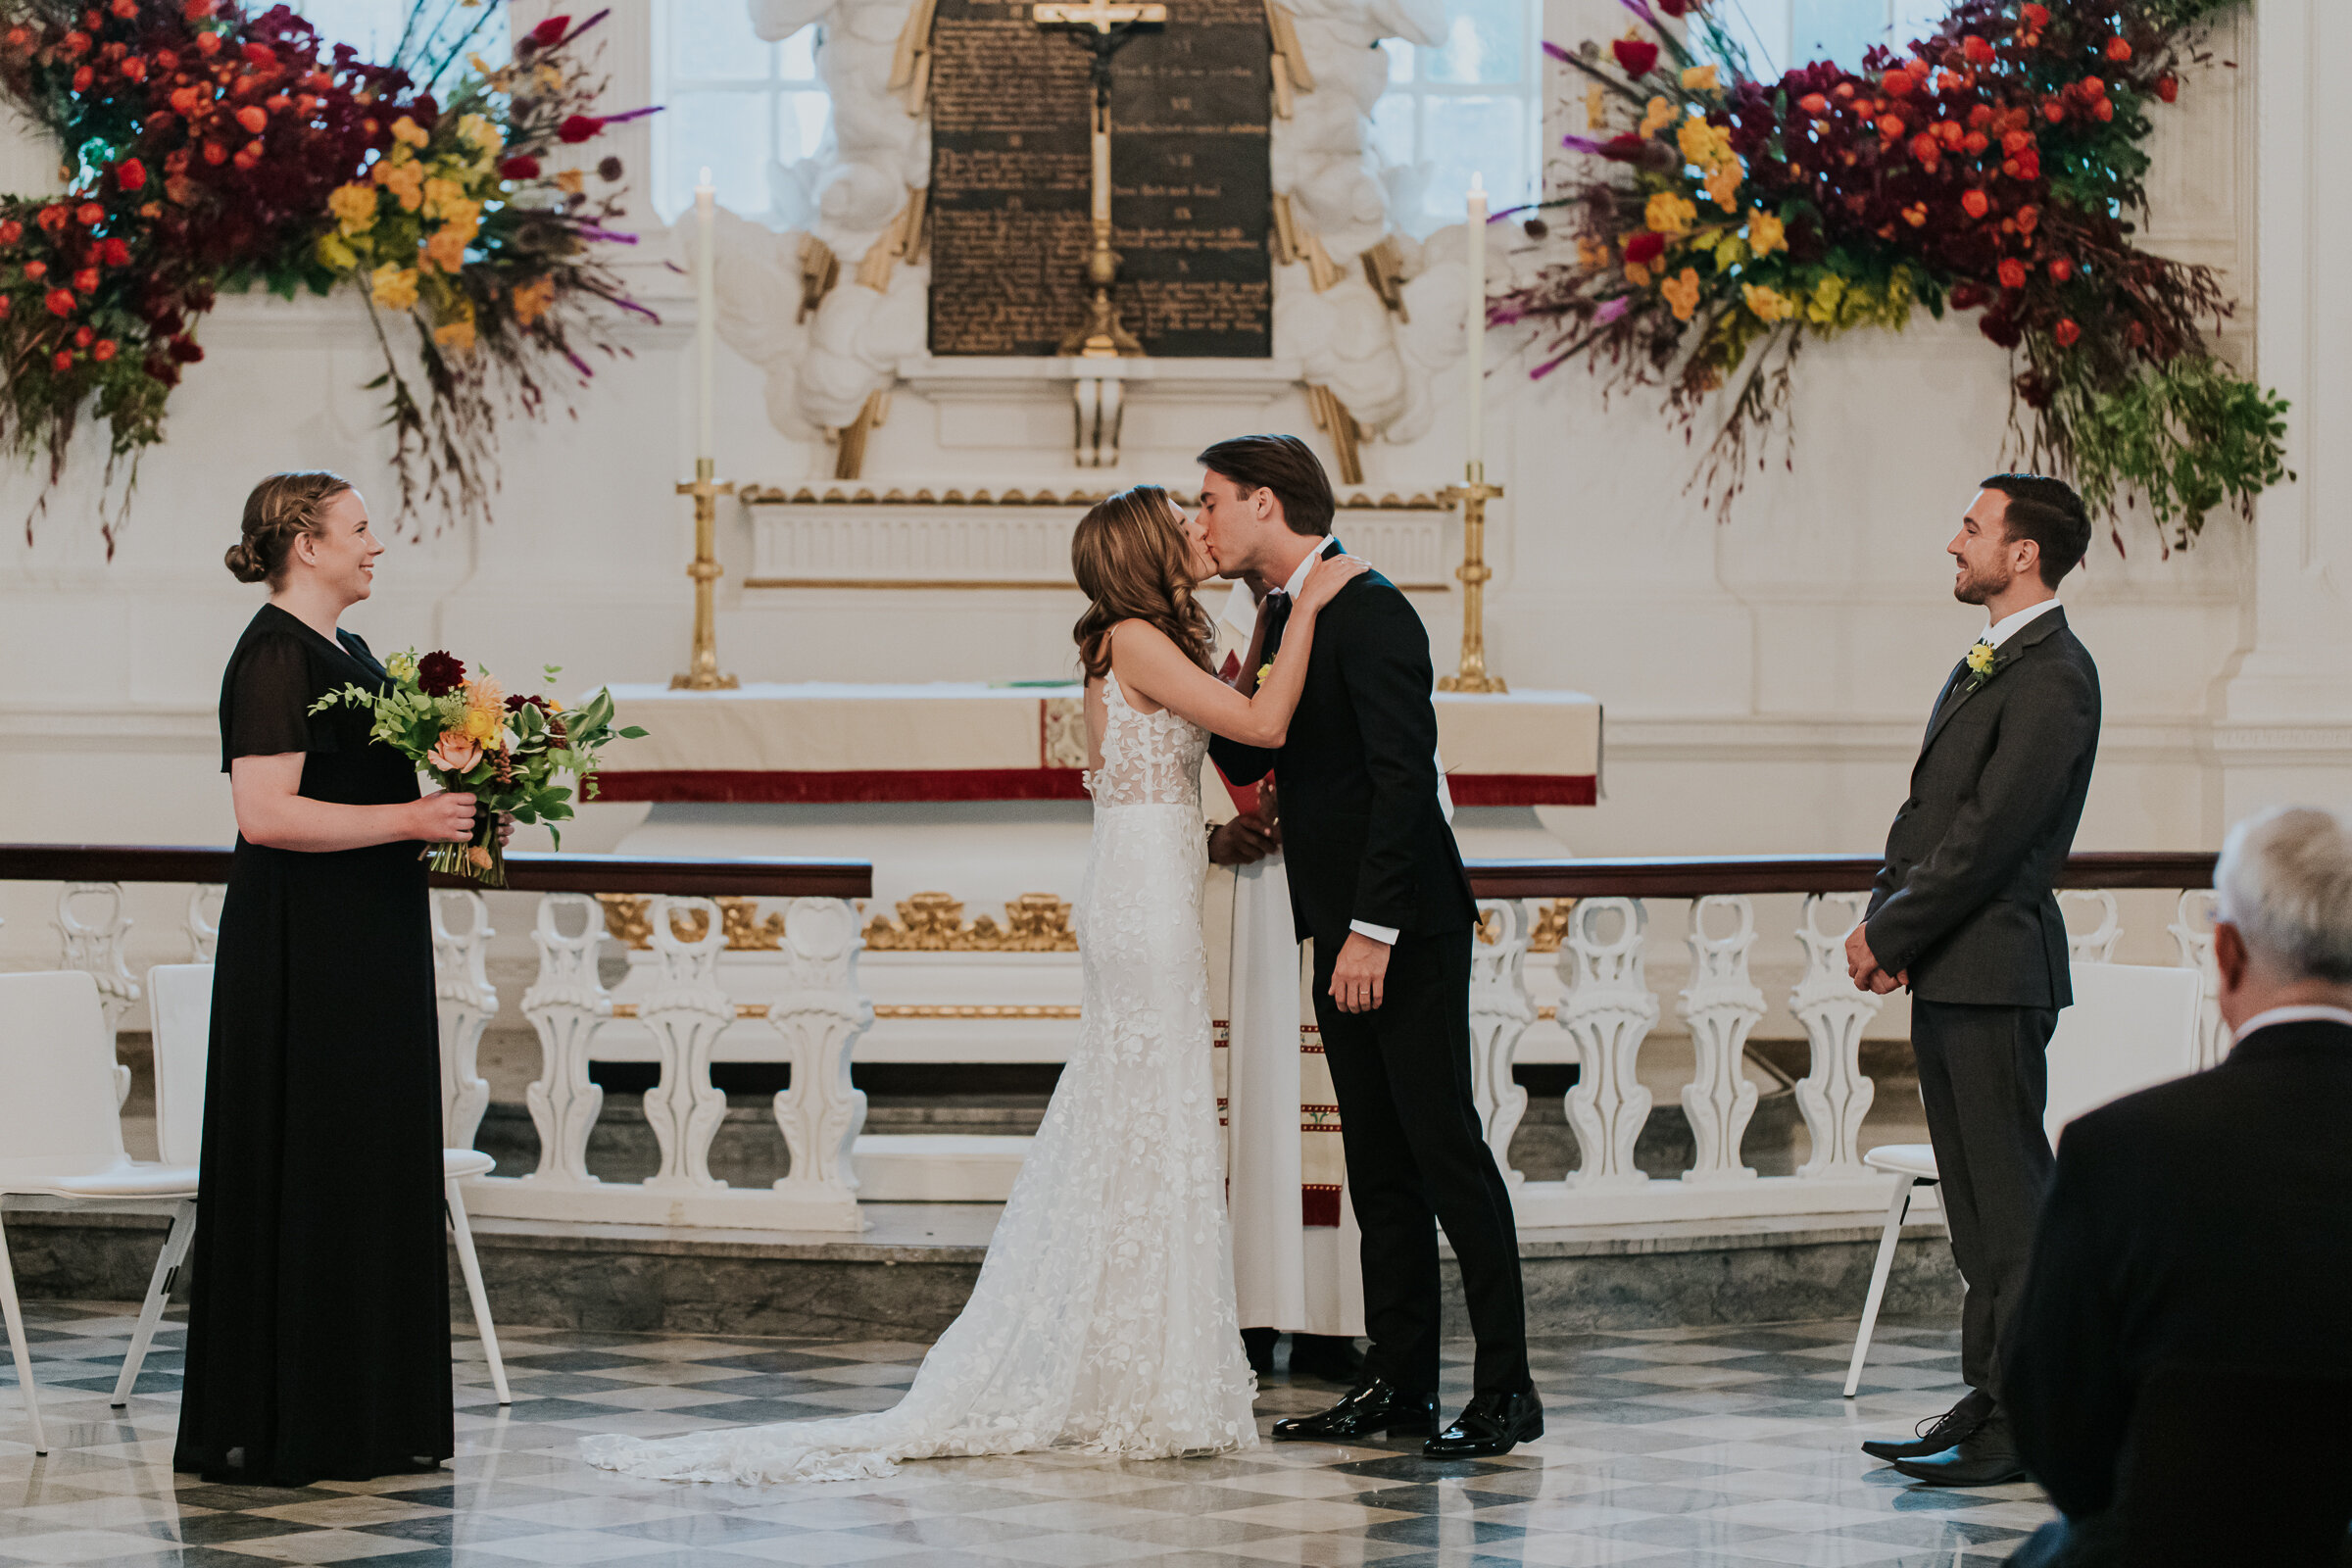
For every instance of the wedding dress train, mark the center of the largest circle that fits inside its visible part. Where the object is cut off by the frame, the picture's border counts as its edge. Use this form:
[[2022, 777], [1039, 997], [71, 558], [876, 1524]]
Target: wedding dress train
[[1104, 1316]]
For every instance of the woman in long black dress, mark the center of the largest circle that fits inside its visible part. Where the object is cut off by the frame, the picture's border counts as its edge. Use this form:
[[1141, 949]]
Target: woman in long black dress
[[318, 1313]]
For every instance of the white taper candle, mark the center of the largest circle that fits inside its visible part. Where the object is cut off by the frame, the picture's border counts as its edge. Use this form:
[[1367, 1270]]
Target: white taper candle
[[706, 308], [1474, 366]]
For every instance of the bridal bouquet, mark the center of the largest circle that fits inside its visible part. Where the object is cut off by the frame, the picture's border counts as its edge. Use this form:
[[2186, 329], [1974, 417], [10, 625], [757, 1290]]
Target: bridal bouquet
[[507, 751]]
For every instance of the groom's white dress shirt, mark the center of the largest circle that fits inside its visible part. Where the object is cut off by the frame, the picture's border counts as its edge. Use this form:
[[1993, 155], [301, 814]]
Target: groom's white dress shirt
[[1385, 934], [2008, 626]]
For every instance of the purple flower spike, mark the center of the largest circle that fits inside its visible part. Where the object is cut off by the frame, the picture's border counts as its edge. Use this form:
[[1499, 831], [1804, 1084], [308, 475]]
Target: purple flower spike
[[1612, 309], [1557, 53], [1583, 144], [1640, 8]]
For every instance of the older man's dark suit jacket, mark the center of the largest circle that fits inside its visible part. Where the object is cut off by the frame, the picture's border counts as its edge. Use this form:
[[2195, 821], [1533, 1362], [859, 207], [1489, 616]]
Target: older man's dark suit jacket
[[2202, 1222], [1964, 901]]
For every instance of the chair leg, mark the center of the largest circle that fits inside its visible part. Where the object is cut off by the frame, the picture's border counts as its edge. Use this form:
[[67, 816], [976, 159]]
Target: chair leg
[[17, 1349], [1897, 1207], [159, 1296], [472, 1269]]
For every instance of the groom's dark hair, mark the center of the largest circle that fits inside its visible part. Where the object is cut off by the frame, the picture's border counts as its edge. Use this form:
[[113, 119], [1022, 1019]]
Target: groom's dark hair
[[2047, 512], [1284, 465]]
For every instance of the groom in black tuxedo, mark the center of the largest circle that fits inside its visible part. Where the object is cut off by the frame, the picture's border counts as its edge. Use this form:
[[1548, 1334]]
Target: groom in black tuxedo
[[1377, 884]]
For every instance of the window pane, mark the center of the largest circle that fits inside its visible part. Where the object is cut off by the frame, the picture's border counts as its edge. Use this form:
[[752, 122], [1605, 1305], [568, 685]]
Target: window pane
[[802, 124], [1486, 41], [373, 27], [711, 41], [1474, 136], [1393, 128], [727, 133], [798, 62], [1835, 30], [1400, 59]]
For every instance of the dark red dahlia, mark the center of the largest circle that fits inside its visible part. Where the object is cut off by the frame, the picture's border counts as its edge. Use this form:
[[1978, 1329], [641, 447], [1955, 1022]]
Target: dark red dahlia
[[439, 674]]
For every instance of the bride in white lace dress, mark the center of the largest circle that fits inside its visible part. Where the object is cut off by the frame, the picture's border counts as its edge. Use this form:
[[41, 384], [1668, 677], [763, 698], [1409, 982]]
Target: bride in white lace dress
[[1103, 1318]]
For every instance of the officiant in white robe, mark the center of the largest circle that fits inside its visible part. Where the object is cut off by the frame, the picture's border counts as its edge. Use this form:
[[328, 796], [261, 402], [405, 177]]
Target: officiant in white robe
[[1297, 1252]]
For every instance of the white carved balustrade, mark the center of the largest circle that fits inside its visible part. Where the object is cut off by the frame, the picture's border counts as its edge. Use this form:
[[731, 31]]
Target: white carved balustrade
[[2192, 934], [566, 1006], [1835, 1094], [1500, 1009], [1610, 1012], [467, 1002], [91, 924], [1721, 1005]]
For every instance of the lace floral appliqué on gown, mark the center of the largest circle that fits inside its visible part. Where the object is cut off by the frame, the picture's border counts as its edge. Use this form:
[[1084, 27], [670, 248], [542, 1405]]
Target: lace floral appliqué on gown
[[1103, 1318]]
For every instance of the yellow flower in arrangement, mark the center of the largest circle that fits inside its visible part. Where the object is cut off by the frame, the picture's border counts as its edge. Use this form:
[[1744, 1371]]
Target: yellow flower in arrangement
[[440, 195], [1682, 292], [445, 249], [455, 335], [335, 253], [354, 207], [409, 134], [1983, 660], [1636, 274], [1730, 251], [1722, 183], [1765, 233], [1699, 79], [534, 300], [1656, 117], [403, 178], [485, 138], [571, 181], [1822, 309], [393, 286], [1767, 304], [1591, 253], [1669, 215], [485, 702], [551, 79], [1596, 107]]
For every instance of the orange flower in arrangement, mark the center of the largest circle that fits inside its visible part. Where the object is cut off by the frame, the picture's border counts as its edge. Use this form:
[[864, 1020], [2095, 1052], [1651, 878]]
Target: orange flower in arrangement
[[2066, 332], [1976, 204], [2118, 50], [2012, 273], [2061, 270]]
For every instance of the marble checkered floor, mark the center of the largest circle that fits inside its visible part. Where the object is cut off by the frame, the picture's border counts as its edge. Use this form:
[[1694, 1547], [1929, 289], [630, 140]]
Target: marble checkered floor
[[1679, 1447]]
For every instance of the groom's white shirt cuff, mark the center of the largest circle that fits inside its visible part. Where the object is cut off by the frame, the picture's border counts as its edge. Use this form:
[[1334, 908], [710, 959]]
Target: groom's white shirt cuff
[[1386, 935]]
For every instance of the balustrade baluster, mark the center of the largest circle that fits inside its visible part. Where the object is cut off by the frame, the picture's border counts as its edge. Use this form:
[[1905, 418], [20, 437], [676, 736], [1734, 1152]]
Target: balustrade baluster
[[2097, 945], [565, 1004], [1835, 1094], [1500, 1009], [819, 1012], [1609, 1011], [2192, 933], [95, 947], [203, 929], [467, 1002], [1721, 1005], [685, 1010]]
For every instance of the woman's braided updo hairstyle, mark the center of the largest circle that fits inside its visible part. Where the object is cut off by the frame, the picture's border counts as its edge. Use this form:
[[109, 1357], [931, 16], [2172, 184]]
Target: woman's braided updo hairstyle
[[281, 509]]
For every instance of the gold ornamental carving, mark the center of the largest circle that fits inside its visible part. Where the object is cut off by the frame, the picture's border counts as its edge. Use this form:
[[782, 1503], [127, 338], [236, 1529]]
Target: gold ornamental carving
[[933, 922], [1550, 926], [630, 918]]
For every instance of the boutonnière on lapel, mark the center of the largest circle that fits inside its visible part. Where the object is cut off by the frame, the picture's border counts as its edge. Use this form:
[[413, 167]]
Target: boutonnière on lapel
[[1984, 663]]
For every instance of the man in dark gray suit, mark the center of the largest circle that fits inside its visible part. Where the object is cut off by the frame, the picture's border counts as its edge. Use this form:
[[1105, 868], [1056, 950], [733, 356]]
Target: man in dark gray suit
[[1963, 913]]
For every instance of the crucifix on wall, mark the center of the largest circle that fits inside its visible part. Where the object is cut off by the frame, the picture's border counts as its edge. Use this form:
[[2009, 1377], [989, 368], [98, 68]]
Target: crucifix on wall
[[1100, 28]]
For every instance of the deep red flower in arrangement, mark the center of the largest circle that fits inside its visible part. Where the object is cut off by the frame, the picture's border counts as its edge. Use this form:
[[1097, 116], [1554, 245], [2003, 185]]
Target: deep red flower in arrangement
[[523, 167], [36, 271], [103, 350], [60, 302], [85, 282], [439, 674], [2061, 270], [130, 174], [63, 361], [10, 231], [1637, 57], [2118, 49], [114, 251], [2038, 17], [89, 214], [2012, 273], [1977, 51], [2168, 87], [1644, 248], [578, 129], [550, 32], [2066, 332], [1976, 204]]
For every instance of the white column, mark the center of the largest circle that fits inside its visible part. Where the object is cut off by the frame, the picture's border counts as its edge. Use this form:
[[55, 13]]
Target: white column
[[2286, 729]]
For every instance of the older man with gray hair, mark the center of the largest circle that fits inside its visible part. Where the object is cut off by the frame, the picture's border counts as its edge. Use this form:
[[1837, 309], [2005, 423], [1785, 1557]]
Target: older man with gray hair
[[2192, 1274]]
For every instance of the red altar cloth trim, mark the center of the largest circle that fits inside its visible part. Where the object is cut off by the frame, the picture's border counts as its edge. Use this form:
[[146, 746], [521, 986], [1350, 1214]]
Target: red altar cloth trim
[[1523, 789], [705, 785]]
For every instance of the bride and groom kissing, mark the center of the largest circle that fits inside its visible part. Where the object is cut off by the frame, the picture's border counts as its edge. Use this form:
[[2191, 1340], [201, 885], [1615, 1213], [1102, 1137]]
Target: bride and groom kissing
[[1103, 1318]]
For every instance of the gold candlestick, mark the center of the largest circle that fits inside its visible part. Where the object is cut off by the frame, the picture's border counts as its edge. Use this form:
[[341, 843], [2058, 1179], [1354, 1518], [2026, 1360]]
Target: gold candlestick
[[702, 672], [1473, 572]]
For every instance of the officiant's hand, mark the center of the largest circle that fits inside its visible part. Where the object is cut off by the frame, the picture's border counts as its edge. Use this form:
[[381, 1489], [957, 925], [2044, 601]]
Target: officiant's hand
[[1356, 977], [1241, 842]]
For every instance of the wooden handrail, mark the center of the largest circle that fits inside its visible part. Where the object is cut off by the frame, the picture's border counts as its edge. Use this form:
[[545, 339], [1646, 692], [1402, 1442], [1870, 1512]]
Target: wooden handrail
[[527, 873], [1698, 877]]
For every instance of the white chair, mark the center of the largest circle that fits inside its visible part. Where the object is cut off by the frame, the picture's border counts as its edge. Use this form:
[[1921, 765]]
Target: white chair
[[61, 1135], [182, 995], [2130, 1027]]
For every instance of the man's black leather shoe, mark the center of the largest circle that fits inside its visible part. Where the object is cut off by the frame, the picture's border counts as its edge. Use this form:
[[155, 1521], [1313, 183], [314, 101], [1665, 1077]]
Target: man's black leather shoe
[[1370, 1408], [1948, 1430], [1490, 1424], [1985, 1457]]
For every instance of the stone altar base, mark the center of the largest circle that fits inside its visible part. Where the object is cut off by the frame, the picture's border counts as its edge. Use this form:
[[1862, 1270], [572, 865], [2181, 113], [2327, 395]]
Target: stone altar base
[[908, 1276]]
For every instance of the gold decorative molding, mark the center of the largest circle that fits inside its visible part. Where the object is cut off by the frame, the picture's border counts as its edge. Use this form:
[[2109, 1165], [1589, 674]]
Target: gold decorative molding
[[779, 496], [1551, 926], [1294, 242], [1344, 429], [933, 922], [743, 1009], [975, 1010], [820, 270], [911, 61], [630, 918], [1066, 732], [1290, 74], [900, 241], [849, 456], [1384, 270], [926, 583]]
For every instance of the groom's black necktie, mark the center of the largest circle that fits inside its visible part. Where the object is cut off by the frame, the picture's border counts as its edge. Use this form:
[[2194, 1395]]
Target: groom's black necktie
[[1277, 611]]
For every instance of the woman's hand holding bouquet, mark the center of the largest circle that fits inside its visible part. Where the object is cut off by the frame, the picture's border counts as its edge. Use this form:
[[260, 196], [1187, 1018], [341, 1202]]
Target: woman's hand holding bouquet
[[505, 753]]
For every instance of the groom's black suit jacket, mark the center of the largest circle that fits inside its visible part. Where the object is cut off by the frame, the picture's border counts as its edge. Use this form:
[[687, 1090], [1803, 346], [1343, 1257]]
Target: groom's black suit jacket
[[1964, 900], [1363, 836]]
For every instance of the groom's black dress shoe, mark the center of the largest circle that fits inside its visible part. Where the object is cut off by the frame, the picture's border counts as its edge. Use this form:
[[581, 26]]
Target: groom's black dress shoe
[[1490, 1424], [1949, 1431], [1368, 1409], [1985, 1457]]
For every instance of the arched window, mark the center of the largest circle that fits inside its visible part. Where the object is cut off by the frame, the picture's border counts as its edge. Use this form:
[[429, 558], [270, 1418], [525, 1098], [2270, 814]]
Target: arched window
[[1472, 104]]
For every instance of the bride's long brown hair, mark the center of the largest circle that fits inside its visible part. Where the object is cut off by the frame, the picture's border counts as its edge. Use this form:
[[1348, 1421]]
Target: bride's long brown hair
[[1133, 561]]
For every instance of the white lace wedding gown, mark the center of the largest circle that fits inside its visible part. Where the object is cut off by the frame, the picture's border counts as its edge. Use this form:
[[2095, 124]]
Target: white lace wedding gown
[[1103, 1318]]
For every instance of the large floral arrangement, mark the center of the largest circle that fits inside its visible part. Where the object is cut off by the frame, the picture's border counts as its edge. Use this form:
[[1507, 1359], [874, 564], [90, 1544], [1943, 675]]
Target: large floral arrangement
[[510, 751], [1993, 166], [209, 149]]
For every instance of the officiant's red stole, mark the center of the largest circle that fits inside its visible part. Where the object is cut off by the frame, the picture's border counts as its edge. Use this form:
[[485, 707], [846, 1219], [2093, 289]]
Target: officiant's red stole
[[1322, 1156]]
